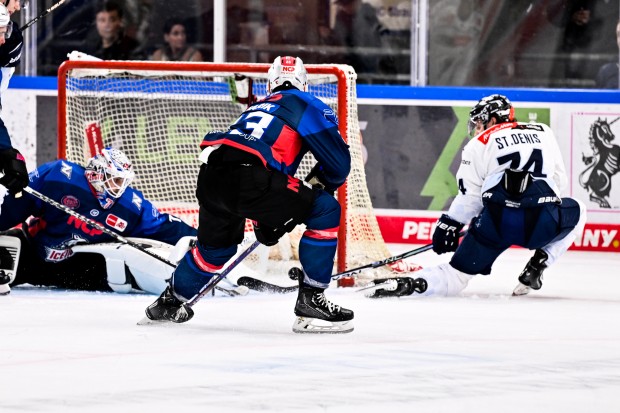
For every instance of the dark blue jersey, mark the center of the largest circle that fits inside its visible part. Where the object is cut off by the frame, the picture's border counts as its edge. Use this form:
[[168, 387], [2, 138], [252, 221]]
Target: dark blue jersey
[[5, 139], [10, 54], [11, 50], [53, 232], [282, 128]]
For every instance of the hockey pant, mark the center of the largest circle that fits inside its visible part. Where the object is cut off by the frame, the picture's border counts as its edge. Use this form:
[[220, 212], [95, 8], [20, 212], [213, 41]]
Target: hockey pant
[[550, 227], [230, 192]]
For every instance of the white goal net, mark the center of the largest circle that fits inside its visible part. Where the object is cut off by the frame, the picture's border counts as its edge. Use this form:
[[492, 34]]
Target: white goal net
[[158, 113]]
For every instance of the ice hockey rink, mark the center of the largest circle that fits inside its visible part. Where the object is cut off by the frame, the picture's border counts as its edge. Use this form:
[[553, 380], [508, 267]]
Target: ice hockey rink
[[556, 350]]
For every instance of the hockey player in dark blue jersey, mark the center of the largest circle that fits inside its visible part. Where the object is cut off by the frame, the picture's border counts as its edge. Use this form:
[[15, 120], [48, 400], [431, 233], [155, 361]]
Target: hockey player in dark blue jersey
[[100, 192], [248, 172], [12, 163]]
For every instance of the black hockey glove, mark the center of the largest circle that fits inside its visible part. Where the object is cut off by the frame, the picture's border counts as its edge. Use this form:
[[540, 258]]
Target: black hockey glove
[[317, 179], [267, 235], [446, 235], [13, 166]]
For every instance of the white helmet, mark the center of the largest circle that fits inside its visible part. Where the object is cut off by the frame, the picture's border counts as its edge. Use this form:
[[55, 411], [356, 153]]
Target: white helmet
[[288, 69], [5, 19], [109, 173]]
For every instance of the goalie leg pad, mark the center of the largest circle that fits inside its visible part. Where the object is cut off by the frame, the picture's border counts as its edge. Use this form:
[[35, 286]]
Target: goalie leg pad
[[10, 249]]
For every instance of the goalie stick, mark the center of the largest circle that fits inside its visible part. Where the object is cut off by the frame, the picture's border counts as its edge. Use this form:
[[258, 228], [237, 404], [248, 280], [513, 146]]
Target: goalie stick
[[42, 15], [96, 225], [294, 273]]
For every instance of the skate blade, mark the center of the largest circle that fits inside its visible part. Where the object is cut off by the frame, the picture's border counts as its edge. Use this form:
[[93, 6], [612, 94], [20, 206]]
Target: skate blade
[[521, 289], [369, 290], [305, 325], [148, 322]]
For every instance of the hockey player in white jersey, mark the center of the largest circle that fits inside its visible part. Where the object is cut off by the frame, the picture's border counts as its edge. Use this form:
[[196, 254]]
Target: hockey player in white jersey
[[509, 192]]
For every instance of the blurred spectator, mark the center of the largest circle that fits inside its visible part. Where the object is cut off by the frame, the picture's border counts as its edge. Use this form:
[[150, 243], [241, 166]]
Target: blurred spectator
[[455, 27], [112, 44], [176, 48], [137, 19], [580, 26], [356, 27], [607, 76]]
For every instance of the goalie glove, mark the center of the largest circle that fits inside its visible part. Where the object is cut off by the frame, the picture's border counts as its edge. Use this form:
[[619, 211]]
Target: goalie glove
[[395, 287], [243, 89], [13, 166], [446, 235]]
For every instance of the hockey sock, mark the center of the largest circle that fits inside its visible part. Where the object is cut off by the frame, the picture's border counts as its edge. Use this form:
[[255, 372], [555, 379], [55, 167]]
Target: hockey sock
[[197, 267], [317, 258]]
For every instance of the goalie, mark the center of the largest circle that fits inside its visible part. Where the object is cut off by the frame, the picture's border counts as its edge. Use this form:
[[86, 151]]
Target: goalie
[[53, 248]]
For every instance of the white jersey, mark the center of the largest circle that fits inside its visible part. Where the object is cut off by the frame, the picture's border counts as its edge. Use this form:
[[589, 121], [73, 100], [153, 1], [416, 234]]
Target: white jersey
[[525, 146]]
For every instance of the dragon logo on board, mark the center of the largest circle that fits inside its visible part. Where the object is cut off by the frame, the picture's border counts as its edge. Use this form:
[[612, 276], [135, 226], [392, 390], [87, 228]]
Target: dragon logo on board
[[602, 164]]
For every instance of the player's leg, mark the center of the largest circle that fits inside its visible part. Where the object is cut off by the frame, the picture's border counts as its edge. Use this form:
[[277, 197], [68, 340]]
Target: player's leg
[[286, 202], [476, 253], [317, 249], [555, 229], [219, 233]]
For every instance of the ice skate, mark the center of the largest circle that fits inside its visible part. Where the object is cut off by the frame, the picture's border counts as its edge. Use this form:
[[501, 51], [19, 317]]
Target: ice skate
[[531, 276], [4, 283], [169, 308], [315, 314], [394, 287]]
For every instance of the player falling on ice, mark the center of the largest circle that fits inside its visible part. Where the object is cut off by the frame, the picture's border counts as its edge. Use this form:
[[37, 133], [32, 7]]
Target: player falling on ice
[[509, 184], [248, 172]]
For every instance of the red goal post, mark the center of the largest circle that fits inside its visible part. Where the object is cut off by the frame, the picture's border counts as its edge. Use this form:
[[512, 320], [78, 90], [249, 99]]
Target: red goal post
[[158, 112]]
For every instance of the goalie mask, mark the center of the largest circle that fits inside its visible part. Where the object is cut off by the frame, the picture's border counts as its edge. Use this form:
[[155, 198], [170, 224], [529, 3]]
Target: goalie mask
[[288, 69], [109, 174], [494, 106]]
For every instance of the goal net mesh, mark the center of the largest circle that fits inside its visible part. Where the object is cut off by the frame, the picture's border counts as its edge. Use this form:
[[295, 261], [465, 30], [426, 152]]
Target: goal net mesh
[[158, 112]]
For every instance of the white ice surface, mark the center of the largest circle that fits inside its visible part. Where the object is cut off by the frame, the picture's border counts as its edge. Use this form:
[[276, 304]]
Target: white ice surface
[[556, 350]]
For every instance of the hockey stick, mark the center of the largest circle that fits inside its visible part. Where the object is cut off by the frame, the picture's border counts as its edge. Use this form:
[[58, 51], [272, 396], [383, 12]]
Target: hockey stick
[[210, 285], [42, 15], [95, 224], [219, 277], [113, 234], [294, 273]]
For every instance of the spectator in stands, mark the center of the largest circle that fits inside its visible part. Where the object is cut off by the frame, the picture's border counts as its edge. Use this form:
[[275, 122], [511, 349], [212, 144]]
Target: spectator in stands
[[582, 22], [14, 5], [113, 44], [356, 27], [455, 28], [608, 74], [176, 48]]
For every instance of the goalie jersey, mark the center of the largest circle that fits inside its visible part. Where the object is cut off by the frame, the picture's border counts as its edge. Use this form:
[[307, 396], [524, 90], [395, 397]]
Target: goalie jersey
[[524, 146], [282, 128], [53, 232]]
